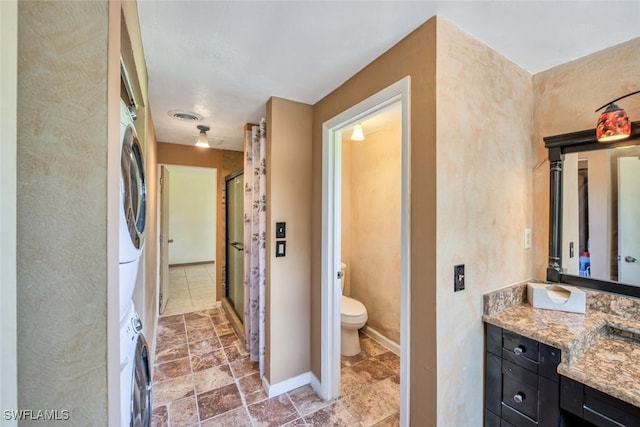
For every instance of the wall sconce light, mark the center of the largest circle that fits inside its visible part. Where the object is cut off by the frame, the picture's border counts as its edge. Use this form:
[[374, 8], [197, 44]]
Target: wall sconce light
[[357, 134], [614, 123], [201, 141]]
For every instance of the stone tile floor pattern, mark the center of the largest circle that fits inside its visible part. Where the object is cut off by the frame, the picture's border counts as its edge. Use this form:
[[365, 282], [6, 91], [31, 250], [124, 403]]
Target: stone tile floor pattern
[[203, 377]]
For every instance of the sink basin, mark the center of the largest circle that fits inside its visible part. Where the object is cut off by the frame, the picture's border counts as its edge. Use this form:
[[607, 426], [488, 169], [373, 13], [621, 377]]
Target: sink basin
[[625, 333]]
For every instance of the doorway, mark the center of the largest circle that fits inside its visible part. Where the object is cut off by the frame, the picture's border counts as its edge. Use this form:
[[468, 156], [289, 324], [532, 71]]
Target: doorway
[[398, 93], [628, 213], [188, 208]]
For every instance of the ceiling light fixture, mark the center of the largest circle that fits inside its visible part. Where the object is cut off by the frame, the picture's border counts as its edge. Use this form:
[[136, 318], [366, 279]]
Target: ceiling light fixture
[[614, 123], [357, 134], [201, 141]]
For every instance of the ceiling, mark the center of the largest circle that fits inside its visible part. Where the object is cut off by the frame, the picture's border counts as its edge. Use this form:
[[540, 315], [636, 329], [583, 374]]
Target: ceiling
[[224, 59]]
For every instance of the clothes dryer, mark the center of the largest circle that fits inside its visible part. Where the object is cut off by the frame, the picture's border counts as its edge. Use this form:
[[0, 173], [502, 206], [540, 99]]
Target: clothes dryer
[[132, 211]]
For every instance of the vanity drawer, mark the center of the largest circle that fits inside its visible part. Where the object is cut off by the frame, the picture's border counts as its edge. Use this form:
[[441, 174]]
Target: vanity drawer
[[596, 407], [520, 350], [513, 418], [519, 390], [522, 386]]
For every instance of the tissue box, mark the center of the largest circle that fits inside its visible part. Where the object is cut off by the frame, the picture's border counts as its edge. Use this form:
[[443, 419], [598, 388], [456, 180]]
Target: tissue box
[[556, 297]]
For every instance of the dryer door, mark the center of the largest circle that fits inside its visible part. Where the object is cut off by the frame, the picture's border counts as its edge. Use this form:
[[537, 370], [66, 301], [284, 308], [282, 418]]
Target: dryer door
[[135, 190], [141, 399]]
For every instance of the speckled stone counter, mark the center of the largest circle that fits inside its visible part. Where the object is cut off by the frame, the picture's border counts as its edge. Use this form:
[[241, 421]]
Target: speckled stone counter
[[600, 348]]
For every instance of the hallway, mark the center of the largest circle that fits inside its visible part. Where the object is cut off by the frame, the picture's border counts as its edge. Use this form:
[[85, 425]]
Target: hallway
[[203, 377], [191, 288]]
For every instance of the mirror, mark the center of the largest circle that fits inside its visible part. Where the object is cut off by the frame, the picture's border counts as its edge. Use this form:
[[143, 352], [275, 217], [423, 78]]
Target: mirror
[[601, 215], [594, 236]]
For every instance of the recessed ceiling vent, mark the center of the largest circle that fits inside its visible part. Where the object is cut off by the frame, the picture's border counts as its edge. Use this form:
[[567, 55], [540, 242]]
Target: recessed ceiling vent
[[185, 115]]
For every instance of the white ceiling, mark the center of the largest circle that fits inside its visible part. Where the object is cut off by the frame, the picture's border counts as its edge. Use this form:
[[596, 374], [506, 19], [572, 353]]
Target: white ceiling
[[225, 59]]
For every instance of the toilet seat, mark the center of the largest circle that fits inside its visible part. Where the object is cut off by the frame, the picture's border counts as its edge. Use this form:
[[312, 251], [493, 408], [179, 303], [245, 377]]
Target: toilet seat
[[352, 311]]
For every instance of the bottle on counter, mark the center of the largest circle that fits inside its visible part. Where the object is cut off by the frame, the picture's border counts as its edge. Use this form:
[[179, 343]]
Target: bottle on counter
[[585, 265]]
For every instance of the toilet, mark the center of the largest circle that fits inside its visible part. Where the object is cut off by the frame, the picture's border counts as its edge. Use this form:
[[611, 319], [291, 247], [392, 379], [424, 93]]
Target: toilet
[[353, 316]]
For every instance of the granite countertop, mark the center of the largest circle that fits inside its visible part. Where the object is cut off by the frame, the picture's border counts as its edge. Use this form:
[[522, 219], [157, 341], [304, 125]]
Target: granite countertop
[[600, 348]]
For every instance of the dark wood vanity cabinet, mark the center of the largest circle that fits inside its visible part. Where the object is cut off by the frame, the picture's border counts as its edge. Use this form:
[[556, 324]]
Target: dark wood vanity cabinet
[[522, 386], [523, 389], [597, 408]]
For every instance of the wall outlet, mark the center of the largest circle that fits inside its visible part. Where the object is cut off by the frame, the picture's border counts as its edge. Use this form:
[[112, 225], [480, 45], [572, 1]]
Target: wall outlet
[[527, 238], [458, 278]]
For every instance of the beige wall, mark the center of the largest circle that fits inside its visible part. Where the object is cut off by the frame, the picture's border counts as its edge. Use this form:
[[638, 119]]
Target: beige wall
[[484, 203], [600, 187], [192, 214], [371, 173], [63, 268], [288, 200], [413, 56], [565, 99], [8, 135], [68, 169], [225, 162]]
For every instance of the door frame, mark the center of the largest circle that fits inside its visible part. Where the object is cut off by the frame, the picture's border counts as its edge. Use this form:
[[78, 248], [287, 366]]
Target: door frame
[[329, 386], [624, 217], [163, 225]]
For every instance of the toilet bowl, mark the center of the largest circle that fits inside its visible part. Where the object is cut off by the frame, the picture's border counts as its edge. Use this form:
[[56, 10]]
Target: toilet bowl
[[353, 316]]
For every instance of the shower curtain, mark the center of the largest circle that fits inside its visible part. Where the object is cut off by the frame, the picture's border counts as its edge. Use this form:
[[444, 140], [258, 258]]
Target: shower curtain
[[254, 242]]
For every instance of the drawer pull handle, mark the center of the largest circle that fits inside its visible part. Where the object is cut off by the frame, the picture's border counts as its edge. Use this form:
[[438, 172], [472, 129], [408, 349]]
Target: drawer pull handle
[[518, 397], [519, 350]]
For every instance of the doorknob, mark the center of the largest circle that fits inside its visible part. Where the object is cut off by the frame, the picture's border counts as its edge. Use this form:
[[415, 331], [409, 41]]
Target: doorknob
[[630, 259], [170, 240]]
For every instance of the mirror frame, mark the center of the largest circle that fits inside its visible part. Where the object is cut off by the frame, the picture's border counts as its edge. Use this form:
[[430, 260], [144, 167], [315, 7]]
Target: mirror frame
[[558, 146]]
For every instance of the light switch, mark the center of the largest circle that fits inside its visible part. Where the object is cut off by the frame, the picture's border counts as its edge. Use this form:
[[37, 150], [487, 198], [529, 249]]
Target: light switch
[[281, 248], [281, 230], [458, 278], [571, 251]]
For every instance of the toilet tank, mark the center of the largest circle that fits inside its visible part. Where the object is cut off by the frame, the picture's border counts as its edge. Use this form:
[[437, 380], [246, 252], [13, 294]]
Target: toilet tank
[[343, 269]]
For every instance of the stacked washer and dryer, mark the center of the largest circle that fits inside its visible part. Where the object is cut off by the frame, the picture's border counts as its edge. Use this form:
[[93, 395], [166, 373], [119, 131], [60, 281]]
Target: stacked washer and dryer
[[135, 375]]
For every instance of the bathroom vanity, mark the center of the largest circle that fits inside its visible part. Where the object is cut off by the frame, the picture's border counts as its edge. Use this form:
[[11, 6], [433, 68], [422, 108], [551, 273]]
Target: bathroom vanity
[[522, 382], [556, 368], [553, 368]]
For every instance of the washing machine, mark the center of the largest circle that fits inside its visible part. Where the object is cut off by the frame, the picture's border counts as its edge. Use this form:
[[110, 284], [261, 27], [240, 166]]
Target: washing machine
[[135, 373], [133, 201]]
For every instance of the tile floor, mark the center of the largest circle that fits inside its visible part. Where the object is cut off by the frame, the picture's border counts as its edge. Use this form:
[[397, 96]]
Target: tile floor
[[191, 288], [203, 377]]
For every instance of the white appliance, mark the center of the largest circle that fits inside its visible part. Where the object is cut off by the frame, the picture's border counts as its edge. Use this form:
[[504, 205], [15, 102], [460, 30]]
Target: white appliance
[[133, 198], [135, 375]]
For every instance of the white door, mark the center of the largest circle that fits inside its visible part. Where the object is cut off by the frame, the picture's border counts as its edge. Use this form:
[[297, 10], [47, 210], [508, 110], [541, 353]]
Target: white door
[[329, 386], [628, 224], [164, 238]]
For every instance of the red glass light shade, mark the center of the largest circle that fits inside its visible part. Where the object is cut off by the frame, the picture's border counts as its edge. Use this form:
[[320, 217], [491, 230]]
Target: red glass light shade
[[613, 125]]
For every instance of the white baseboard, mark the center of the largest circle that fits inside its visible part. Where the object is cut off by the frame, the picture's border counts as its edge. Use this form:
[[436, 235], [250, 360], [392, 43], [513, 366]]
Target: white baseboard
[[393, 346], [286, 385], [315, 385]]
